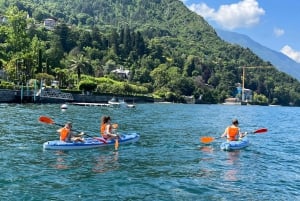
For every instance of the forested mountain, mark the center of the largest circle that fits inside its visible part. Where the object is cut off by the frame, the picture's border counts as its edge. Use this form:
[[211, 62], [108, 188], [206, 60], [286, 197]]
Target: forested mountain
[[170, 51], [279, 60]]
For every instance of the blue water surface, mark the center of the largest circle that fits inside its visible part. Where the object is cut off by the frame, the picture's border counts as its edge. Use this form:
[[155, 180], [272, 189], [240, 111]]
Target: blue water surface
[[168, 162]]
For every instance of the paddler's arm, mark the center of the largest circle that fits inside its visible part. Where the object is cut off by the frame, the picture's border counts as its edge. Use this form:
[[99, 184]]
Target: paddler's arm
[[225, 133], [78, 135]]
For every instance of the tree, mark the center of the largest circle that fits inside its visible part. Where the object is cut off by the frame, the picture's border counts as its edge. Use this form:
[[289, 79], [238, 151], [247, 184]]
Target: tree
[[87, 85], [160, 76], [61, 76], [66, 37], [77, 64], [54, 53], [17, 40]]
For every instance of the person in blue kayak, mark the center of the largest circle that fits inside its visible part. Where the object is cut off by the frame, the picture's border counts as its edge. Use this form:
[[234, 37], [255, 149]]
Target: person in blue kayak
[[232, 132], [67, 135], [107, 129]]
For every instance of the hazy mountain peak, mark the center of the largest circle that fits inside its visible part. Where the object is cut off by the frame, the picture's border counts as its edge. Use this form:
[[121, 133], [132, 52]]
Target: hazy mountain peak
[[278, 59]]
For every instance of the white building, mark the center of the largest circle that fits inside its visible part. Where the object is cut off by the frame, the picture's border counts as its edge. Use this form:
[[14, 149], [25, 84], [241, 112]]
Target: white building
[[122, 73], [49, 23]]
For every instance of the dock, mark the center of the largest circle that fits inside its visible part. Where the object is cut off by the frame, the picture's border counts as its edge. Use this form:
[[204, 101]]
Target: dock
[[92, 104]]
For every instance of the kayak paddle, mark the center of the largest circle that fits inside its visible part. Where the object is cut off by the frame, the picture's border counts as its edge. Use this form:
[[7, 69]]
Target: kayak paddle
[[207, 139], [116, 144], [261, 130], [115, 126]]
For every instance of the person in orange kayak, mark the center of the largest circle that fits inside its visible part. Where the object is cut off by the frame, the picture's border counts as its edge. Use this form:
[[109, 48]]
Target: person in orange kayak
[[232, 133], [67, 135], [107, 129]]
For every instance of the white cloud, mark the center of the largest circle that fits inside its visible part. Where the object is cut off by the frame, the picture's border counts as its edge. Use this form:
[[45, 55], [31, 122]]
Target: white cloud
[[278, 32], [245, 13], [293, 54], [203, 10]]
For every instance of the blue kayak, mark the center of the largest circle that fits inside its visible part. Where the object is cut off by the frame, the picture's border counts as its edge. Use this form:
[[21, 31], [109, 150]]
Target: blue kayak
[[234, 145], [89, 142]]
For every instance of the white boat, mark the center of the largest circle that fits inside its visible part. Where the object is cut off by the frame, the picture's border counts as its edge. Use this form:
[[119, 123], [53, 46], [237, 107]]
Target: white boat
[[114, 102], [130, 105], [126, 105]]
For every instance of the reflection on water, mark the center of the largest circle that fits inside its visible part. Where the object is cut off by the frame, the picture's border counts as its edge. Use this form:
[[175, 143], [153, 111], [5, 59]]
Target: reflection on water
[[103, 162], [233, 157], [60, 162], [106, 163], [230, 175], [207, 149], [207, 158], [232, 161]]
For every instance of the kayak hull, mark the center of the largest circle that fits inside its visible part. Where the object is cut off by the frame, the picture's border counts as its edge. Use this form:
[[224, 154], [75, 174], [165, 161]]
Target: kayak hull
[[235, 145], [89, 142]]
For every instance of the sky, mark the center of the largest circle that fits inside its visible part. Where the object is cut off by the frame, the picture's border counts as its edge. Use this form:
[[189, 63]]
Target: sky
[[272, 23]]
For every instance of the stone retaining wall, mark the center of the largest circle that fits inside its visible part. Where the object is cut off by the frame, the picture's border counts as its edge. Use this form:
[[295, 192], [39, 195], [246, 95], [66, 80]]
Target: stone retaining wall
[[89, 98], [7, 96], [14, 96]]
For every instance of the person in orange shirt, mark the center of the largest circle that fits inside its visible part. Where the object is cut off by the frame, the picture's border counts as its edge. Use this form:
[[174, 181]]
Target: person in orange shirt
[[107, 129], [232, 133], [67, 135]]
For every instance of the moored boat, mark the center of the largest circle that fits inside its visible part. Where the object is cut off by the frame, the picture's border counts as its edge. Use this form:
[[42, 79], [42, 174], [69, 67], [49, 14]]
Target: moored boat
[[130, 105], [234, 145], [90, 142], [114, 102]]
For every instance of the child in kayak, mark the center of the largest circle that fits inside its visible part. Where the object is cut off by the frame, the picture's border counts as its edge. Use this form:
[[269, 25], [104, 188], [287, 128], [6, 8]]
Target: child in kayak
[[233, 132], [107, 129], [67, 135]]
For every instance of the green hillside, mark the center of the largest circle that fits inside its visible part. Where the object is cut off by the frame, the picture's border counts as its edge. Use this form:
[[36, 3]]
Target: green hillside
[[170, 51]]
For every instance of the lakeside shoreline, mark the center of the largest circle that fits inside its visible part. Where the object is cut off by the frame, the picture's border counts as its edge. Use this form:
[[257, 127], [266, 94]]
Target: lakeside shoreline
[[19, 96]]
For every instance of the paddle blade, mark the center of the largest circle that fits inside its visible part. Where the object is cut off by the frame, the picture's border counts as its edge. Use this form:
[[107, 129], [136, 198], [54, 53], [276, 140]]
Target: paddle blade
[[261, 130], [46, 120], [207, 139], [116, 144], [115, 126]]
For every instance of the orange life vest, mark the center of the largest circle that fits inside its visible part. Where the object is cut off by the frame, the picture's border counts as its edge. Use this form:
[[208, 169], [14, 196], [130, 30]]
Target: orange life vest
[[103, 130], [64, 134], [232, 132]]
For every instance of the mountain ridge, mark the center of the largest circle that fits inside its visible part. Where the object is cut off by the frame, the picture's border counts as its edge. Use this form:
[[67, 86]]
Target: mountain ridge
[[278, 59]]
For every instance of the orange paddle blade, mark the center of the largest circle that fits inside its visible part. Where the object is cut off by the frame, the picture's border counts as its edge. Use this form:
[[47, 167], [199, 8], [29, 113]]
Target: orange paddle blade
[[115, 126], [261, 130], [206, 139], [116, 144], [46, 120]]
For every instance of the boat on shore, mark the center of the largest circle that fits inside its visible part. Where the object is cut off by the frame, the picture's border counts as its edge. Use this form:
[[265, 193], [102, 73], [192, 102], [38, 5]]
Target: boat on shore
[[90, 142], [232, 101]]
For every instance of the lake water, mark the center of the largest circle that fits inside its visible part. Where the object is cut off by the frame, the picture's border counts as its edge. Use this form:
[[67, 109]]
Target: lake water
[[167, 163]]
